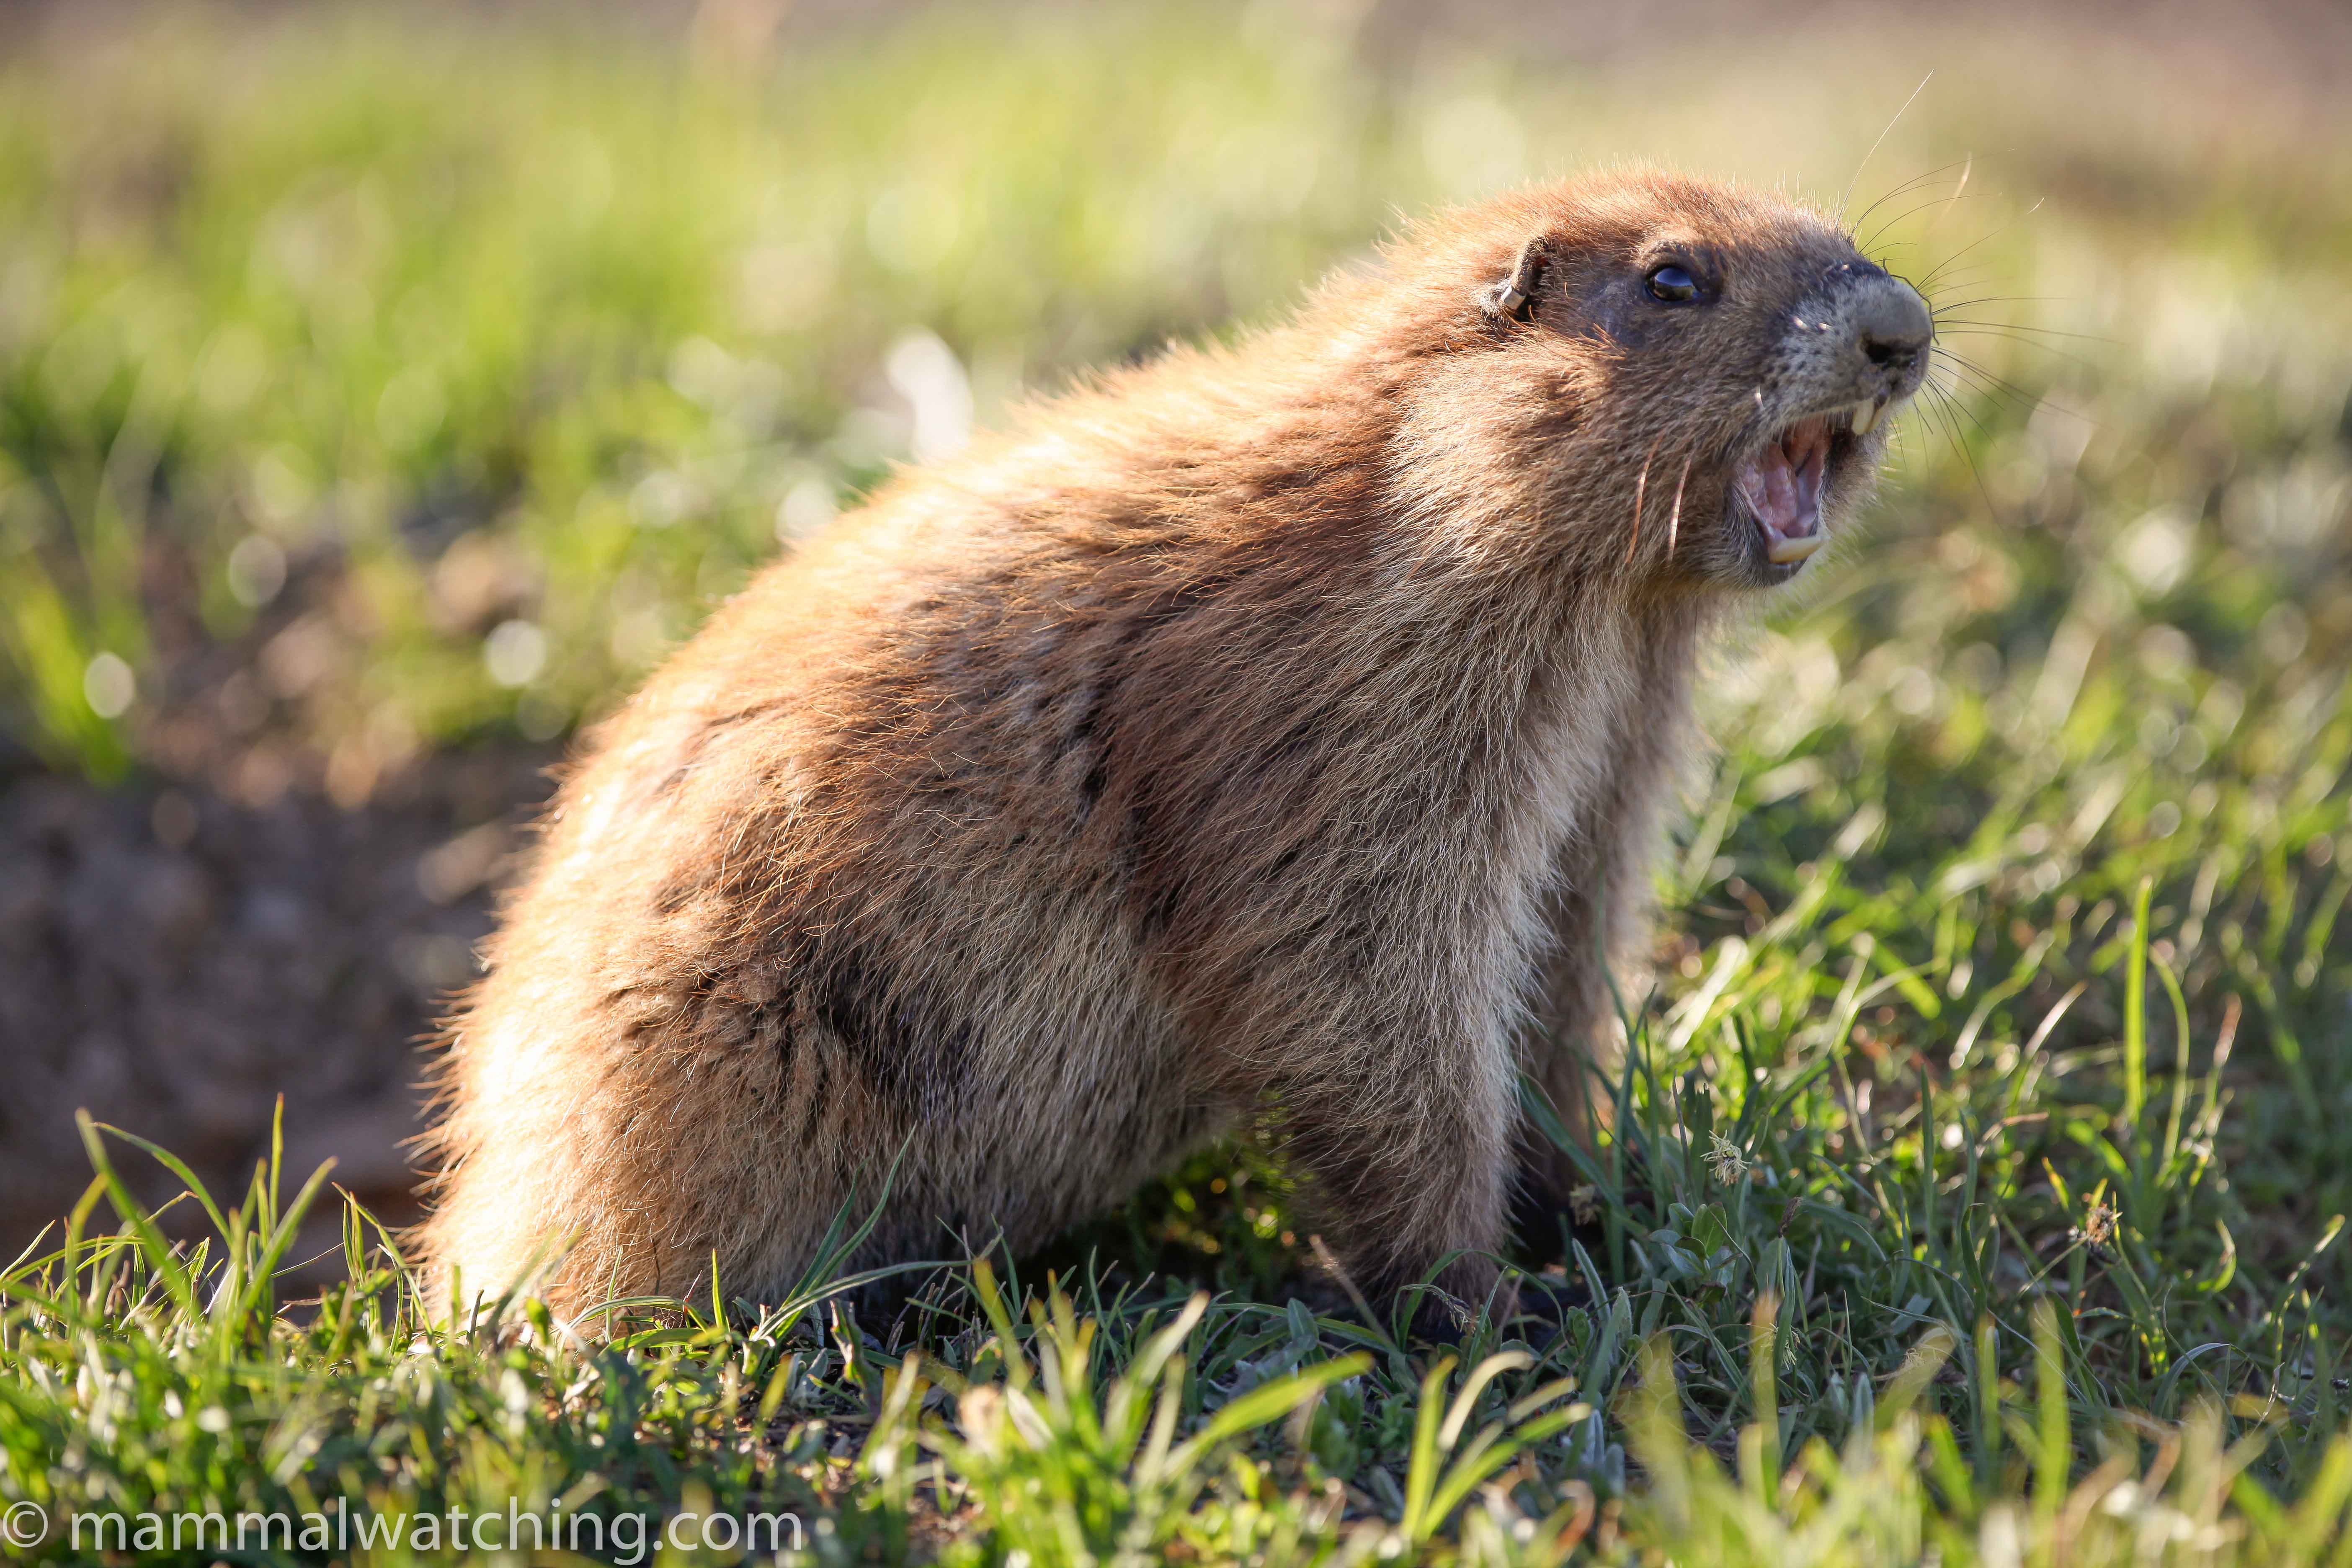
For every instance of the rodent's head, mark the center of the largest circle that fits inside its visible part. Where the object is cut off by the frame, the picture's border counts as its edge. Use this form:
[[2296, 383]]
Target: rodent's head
[[1707, 371]]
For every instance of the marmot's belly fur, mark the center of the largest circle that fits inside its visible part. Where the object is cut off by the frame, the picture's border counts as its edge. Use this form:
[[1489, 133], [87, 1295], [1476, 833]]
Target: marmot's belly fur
[[1267, 737]]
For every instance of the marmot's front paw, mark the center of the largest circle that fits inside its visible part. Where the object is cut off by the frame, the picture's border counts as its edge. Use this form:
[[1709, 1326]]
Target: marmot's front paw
[[1473, 1288]]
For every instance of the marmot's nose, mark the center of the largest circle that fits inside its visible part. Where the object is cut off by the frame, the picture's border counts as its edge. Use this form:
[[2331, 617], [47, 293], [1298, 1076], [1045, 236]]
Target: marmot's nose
[[1892, 326]]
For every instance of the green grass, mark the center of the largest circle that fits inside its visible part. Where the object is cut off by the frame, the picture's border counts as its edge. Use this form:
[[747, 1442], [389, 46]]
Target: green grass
[[1974, 1172]]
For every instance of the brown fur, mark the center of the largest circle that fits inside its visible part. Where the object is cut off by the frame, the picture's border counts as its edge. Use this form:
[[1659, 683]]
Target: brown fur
[[1275, 733]]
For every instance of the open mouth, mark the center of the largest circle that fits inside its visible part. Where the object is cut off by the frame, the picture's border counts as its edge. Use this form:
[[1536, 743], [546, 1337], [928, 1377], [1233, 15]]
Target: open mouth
[[1782, 484]]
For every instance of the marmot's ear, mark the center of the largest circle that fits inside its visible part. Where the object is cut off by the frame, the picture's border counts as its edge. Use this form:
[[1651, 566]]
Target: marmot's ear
[[1513, 298]]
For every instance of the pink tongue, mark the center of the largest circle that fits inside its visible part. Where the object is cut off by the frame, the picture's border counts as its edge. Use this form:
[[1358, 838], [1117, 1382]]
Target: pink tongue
[[1787, 500]]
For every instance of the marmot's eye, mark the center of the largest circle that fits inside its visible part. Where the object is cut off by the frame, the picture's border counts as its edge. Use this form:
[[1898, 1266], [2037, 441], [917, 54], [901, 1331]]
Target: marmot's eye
[[1672, 284]]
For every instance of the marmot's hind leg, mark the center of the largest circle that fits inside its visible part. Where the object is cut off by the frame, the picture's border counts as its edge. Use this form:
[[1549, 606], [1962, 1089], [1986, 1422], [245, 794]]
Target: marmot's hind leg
[[583, 1186]]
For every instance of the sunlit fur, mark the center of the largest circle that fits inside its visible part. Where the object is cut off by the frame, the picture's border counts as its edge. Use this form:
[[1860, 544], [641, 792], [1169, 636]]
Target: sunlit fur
[[1272, 736]]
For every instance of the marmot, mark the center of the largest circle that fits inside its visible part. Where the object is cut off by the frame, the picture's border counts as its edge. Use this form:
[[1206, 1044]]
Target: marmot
[[1274, 733]]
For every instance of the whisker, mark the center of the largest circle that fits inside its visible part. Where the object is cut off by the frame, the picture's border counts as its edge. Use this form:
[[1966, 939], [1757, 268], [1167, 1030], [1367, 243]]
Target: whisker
[[1898, 217], [1641, 485], [1968, 169], [1960, 449], [2032, 398], [2022, 327], [1981, 384], [1675, 519], [2006, 300], [1981, 238], [1913, 183], [1939, 415], [1996, 333], [1883, 136], [1970, 276], [1961, 411]]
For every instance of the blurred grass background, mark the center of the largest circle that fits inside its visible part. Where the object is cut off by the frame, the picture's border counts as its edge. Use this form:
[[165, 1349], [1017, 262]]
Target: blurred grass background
[[382, 389], [508, 340]]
